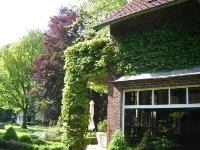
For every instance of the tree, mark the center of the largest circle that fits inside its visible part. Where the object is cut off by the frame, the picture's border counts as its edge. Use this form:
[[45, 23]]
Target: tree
[[48, 70], [93, 12], [15, 78]]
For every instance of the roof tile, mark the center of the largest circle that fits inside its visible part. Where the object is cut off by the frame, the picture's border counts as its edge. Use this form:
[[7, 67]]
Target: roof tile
[[134, 7]]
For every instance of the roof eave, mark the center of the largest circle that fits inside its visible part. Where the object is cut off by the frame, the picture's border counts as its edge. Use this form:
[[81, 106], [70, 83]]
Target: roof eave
[[100, 26]]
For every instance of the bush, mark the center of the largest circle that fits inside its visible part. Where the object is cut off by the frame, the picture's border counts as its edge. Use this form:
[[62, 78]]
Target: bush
[[118, 142], [145, 142], [13, 145], [102, 126], [25, 139], [54, 136], [10, 134], [39, 142], [90, 134]]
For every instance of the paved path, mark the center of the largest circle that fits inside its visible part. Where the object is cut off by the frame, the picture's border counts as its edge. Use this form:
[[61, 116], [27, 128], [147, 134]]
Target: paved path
[[94, 147]]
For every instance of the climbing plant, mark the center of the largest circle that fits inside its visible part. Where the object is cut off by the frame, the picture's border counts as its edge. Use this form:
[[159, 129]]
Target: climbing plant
[[84, 61], [163, 49], [87, 63]]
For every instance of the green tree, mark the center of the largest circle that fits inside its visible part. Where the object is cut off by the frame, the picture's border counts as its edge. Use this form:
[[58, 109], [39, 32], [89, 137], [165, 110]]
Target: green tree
[[15, 78], [93, 12]]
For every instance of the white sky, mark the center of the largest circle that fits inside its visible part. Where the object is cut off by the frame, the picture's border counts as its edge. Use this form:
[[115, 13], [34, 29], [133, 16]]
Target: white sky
[[16, 16]]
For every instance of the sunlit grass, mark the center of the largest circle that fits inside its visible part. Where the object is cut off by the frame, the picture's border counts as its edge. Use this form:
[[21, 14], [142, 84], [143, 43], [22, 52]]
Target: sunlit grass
[[28, 131]]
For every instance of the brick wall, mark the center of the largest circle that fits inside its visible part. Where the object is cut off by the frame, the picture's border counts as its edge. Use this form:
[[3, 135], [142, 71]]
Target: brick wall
[[156, 83], [187, 13], [115, 90], [114, 108]]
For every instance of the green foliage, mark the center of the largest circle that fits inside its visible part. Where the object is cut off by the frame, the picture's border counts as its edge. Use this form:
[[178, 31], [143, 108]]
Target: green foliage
[[25, 139], [102, 126], [90, 134], [118, 142], [53, 135], [177, 115], [13, 145], [92, 13], [85, 61], [39, 142], [15, 78], [145, 142], [163, 49], [161, 143], [10, 134]]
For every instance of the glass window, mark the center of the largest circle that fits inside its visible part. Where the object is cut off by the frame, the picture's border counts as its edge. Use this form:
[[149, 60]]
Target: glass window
[[131, 98], [178, 96], [145, 97], [194, 95], [161, 97]]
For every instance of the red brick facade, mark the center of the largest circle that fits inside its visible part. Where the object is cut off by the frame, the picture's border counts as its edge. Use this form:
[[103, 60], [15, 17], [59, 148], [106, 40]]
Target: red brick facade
[[187, 13], [116, 90]]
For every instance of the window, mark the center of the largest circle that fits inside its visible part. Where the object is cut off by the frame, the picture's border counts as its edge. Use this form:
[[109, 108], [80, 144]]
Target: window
[[178, 96], [194, 95], [156, 97], [161, 97], [131, 98], [145, 97]]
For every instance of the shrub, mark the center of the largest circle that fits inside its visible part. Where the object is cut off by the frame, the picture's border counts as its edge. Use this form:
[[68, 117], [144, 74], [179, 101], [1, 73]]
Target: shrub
[[25, 139], [118, 142], [13, 145], [10, 134], [145, 142], [45, 148], [54, 136], [90, 134], [39, 142], [159, 143], [102, 126]]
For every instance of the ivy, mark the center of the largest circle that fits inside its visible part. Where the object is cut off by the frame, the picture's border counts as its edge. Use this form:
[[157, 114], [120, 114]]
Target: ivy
[[86, 63], [162, 49]]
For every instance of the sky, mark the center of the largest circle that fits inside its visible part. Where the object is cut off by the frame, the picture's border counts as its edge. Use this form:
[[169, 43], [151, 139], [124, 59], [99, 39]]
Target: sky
[[17, 16]]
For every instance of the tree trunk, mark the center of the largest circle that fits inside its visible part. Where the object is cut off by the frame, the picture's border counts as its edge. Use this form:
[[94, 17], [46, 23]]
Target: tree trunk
[[24, 126]]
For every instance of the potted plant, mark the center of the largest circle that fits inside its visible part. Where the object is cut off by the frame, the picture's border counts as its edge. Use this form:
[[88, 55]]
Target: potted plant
[[101, 134]]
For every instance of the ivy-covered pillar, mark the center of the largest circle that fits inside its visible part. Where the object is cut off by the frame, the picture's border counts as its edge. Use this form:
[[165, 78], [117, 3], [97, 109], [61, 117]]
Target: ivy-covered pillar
[[75, 112]]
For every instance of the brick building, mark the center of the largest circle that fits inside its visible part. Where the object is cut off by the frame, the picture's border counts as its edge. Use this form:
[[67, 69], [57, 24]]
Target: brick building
[[147, 100]]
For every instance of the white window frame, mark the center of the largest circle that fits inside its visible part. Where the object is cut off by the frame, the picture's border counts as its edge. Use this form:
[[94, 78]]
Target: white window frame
[[152, 106]]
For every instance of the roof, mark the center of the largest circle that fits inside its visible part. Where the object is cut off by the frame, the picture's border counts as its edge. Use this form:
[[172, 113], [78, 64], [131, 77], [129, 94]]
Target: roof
[[135, 8], [161, 75]]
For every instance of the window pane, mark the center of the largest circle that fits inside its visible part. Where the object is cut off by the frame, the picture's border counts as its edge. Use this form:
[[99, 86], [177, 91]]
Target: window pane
[[178, 96], [145, 97], [161, 97], [130, 124], [131, 98], [194, 95]]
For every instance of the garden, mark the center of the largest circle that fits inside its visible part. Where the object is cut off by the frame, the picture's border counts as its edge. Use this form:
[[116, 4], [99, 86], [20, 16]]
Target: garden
[[33, 138]]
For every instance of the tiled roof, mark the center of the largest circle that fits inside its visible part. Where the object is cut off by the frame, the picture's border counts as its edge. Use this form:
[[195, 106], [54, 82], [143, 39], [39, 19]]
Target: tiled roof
[[134, 7]]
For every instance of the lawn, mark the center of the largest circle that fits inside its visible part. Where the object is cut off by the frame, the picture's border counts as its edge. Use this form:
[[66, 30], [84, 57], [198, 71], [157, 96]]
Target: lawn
[[28, 131], [51, 132]]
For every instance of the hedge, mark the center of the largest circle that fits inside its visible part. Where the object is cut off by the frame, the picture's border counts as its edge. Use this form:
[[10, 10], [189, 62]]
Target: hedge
[[13, 145]]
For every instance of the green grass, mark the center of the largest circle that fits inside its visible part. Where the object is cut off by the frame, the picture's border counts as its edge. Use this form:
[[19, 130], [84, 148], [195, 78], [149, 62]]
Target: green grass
[[28, 131], [32, 129]]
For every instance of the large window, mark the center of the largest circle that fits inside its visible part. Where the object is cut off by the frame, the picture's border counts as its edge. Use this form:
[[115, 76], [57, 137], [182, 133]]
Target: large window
[[154, 108], [170, 96]]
